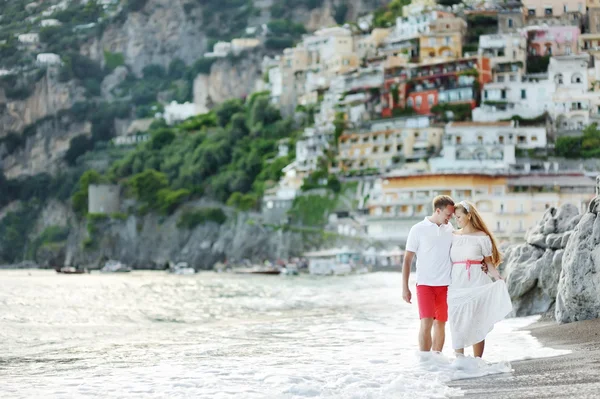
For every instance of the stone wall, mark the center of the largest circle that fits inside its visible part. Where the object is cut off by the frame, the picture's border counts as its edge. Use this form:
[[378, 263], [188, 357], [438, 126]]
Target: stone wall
[[103, 198]]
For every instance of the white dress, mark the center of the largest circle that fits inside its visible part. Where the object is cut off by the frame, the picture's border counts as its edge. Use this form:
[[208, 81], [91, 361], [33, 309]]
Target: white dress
[[475, 303]]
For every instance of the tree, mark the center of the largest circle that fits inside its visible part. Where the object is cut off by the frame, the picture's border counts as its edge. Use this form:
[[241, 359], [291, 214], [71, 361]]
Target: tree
[[147, 184]]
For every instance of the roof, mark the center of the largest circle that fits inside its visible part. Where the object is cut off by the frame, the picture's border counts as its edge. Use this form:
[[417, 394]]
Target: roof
[[480, 124], [553, 180]]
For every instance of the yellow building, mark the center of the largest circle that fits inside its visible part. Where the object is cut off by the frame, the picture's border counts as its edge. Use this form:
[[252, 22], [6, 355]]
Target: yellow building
[[509, 204], [590, 43], [444, 40], [340, 64], [389, 147], [367, 45]]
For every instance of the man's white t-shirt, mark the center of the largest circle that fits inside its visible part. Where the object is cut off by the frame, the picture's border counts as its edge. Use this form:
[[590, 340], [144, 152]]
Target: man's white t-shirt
[[431, 244]]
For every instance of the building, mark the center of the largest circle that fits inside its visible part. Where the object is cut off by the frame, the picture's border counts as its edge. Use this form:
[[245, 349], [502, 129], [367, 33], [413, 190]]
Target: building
[[366, 46], [48, 59], [240, 44], [505, 48], [593, 16], [511, 17], [574, 106], [444, 39], [553, 40], [424, 86], [549, 8], [311, 147], [480, 146], [175, 112], [103, 198], [509, 204], [527, 96], [130, 140], [50, 22], [388, 144], [220, 49], [29, 38]]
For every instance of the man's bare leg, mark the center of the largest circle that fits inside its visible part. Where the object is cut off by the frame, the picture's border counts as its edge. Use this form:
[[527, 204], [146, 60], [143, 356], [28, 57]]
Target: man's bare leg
[[439, 335], [425, 334], [478, 349]]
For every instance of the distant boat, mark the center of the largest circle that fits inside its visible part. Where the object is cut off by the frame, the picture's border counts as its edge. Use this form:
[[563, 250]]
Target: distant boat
[[258, 270], [71, 270], [182, 268], [114, 266]]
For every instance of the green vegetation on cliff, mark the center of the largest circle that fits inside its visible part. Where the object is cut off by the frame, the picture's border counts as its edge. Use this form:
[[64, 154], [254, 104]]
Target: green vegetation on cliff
[[226, 155]]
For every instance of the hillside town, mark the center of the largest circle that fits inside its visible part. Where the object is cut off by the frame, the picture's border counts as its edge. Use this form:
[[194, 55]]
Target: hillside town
[[430, 106]]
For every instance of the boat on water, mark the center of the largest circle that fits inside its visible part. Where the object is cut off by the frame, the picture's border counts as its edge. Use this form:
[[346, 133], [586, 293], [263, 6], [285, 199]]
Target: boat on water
[[181, 268], [258, 270], [114, 266], [71, 270]]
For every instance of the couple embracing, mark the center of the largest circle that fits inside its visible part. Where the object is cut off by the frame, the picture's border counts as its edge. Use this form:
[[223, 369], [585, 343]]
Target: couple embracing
[[452, 277]]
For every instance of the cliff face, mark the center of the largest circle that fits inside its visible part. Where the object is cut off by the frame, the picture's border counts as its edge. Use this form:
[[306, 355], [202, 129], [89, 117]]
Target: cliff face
[[151, 241], [558, 269], [48, 98], [162, 31]]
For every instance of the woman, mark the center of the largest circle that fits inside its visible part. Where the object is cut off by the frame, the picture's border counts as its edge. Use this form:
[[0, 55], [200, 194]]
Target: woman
[[475, 303]]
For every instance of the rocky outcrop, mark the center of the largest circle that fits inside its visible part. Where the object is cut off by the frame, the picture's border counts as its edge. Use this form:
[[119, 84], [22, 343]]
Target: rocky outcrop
[[43, 146], [48, 98], [579, 287], [162, 31], [533, 269], [152, 240], [233, 77]]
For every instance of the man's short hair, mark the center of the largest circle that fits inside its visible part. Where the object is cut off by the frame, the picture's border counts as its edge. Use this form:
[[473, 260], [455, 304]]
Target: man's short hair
[[442, 201]]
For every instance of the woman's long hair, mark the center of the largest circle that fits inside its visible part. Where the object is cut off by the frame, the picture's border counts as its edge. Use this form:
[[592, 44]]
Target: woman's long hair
[[479, 224]]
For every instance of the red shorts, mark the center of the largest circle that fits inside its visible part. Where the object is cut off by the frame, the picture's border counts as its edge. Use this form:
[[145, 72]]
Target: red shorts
[[433, 302]]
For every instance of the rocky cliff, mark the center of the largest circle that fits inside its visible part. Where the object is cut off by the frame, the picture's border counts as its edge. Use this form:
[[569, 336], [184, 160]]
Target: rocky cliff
[[556, 271], [151, 241], [579, 287]]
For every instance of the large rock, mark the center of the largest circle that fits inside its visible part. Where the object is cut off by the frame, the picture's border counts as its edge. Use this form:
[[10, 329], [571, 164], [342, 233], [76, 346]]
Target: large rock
[[533, 269], [579, 287]]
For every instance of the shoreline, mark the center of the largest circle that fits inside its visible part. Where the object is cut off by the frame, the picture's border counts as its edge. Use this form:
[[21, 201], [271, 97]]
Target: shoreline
[[575, 375]]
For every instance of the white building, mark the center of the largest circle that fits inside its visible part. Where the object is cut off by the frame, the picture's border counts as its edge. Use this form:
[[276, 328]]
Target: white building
[[220, 49], [527, 97], [574, 106], [50, 22], [175, 112], [29, 38], [48, 59], [485, 146], [310, 147], [503, 48]]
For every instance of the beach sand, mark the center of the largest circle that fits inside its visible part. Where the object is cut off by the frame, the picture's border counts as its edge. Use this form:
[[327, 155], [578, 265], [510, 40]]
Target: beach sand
[[574, 376]]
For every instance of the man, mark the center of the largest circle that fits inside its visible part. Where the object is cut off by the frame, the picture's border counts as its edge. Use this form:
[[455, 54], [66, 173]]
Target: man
[[431, 240]]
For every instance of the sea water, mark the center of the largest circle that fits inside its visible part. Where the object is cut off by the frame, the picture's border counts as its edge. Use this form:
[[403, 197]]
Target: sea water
[[209, 335]]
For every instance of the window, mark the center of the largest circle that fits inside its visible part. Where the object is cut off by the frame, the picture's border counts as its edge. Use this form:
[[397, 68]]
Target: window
[[458, 140], [485, 94], [558, 78], [523, 94], [568, 50], [500, 79], [419, 101], [501, 139], [432, 41], [503, 94], [531, 13], [548, 11], [565, 8], [430, 99], [514, 54], [480, 139], [416, 135], [410, 103], [576, 78], [510, 23], [498, 228], [513, 78], [533, 138], [501, 208], [448, 39]]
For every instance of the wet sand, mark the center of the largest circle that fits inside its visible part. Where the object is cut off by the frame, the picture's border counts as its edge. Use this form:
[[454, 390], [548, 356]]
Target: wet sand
[[574, 376]]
